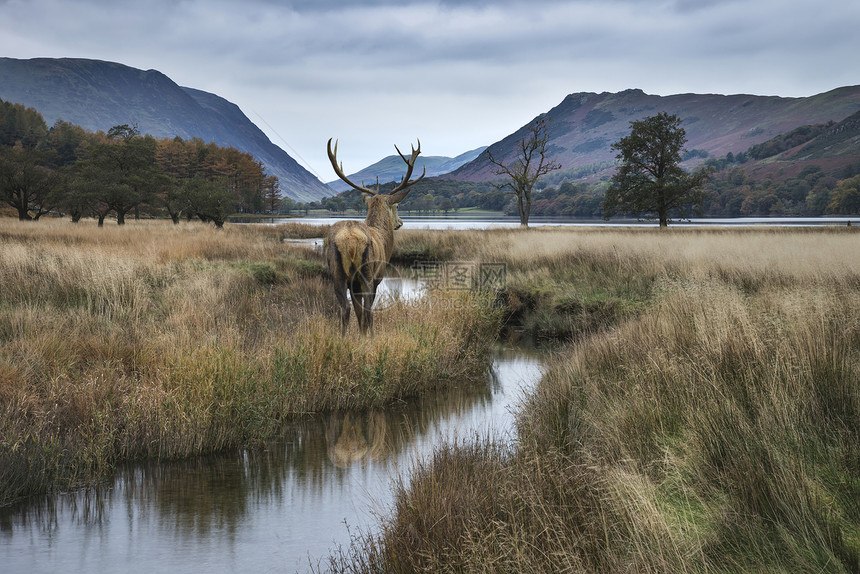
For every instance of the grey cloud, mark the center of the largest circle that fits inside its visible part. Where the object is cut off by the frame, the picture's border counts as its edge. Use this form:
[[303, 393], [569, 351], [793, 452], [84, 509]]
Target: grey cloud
[[377, 71]]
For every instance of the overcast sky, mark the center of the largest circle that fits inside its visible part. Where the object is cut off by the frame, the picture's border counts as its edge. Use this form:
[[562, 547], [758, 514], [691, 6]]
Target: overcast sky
[[457, 74]]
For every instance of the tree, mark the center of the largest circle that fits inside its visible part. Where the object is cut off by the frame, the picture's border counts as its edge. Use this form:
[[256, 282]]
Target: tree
[[445, 204], [271, 193], [124, 169], [210, 200], [845, 199], [21, 125], [25, 183], [64, 143], [426, 203], [650, 182], [529, 164]]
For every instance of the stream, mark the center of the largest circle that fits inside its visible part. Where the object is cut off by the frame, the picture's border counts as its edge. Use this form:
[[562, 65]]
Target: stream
[[279, 509]]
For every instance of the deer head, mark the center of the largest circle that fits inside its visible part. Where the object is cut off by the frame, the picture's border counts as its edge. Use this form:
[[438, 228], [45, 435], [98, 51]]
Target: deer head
[[358, 253], [381, 202]]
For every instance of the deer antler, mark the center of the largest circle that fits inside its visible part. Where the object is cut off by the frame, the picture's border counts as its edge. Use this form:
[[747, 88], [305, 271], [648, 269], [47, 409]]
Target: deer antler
[[338, 169], [405, 183]]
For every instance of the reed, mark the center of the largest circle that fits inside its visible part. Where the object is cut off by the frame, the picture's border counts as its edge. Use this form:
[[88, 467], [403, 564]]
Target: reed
[[163, 341], [714, 430]]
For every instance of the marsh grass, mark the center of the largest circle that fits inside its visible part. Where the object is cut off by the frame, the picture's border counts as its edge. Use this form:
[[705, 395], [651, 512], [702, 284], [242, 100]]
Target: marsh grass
[[717, 429], [162, 341]]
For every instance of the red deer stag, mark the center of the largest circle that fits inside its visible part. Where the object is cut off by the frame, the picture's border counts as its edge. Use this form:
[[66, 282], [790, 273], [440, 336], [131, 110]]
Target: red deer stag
[[358, 252]]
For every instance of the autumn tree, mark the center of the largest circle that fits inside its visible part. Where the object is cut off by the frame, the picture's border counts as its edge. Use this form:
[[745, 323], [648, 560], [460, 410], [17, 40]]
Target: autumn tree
[[271, 193], [529, 163], [649, 181]]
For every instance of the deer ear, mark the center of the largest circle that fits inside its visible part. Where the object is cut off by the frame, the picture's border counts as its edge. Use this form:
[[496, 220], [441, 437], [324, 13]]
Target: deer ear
[[366, 197]]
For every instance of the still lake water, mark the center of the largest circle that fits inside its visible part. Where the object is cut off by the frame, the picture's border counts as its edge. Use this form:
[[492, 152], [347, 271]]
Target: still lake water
[[275, 510], [464, 222]]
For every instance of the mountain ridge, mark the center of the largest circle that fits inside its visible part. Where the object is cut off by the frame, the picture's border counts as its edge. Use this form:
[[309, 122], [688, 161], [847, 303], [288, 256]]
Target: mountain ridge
[[98, 95], [584, 125]]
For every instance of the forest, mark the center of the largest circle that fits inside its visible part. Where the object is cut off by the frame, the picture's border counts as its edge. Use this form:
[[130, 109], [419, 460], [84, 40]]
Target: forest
[[68, 170]]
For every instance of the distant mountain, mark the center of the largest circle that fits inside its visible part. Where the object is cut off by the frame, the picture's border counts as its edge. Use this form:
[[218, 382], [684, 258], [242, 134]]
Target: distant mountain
[[98, 95], [392, 168], [584, 126]]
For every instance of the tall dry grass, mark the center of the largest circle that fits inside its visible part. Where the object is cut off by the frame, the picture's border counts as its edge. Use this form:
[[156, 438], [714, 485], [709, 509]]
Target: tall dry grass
[[716, 430], [163, 341], [563, 282]]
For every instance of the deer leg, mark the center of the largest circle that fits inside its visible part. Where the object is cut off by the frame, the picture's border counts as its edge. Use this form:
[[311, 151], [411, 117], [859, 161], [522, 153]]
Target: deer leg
[[369, 298], [359, 310], [340, 295], [357, 292]]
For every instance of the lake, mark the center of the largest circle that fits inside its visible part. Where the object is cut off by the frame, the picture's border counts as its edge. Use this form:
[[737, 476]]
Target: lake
[[472, 222]]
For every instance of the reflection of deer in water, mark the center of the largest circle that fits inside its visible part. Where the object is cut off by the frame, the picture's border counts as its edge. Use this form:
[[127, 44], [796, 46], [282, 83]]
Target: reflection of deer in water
[[358, 252], [356, 437]]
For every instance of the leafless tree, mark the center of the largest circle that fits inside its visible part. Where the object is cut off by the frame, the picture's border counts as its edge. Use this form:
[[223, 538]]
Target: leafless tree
[[530, 162]]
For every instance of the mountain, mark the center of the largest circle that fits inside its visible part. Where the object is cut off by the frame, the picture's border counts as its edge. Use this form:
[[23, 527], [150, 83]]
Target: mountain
[[833, 147], [583, 126], [392, 168], [98, 95], [840, 139]]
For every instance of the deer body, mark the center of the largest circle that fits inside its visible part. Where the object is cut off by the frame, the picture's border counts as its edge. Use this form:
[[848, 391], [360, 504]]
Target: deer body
[[358, 252]]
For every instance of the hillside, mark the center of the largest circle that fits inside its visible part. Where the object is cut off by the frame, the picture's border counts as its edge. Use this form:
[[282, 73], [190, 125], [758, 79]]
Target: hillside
[[392, 168], [98, 95], [832, 147], [842, 139], [584, 125]]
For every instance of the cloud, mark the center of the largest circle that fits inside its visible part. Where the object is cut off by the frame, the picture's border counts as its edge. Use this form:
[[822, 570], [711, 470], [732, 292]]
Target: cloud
[[456, 73]]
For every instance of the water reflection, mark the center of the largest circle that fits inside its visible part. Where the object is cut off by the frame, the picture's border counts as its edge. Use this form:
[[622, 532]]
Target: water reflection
[[269, 510]]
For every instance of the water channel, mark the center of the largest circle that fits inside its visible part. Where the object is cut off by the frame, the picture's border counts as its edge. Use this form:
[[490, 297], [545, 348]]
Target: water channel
[[280, 509]]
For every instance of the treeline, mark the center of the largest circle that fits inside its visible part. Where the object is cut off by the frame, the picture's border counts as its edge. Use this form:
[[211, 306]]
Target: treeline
[[812, 192], [731, 192], [65, 169]]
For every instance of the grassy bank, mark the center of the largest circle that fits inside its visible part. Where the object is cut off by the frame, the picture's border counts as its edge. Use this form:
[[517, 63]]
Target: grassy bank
[[714, 429], [560, 283], [154, 340]]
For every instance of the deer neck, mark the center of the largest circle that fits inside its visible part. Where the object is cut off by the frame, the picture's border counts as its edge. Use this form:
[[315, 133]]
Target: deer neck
[[380, 220]]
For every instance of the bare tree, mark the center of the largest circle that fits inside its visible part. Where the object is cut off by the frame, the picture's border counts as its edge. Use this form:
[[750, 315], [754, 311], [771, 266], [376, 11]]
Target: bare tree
[[529, 164]]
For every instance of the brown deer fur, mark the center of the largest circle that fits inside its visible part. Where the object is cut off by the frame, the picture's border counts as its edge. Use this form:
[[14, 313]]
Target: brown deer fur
[[358, 252]]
